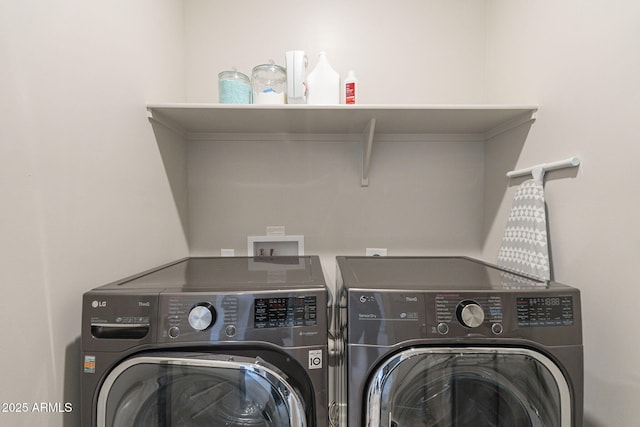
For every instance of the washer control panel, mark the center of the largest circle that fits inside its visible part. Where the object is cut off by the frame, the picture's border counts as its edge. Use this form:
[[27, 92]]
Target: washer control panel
[[187, 317], [194, 317], [285, 312]]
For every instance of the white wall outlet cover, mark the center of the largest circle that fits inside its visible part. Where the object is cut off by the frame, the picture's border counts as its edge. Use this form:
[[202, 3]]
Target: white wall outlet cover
[[376, 252], [227, 252]]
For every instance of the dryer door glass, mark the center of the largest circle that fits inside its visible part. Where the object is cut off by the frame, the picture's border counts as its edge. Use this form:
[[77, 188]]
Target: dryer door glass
[[468, 388], [151, 391]]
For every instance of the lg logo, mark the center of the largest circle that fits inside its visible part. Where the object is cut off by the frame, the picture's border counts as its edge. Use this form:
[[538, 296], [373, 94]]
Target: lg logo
[[96, 304], [367, 298]]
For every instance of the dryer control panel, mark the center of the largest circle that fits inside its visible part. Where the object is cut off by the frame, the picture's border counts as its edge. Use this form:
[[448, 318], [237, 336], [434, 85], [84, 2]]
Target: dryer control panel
[[545, 311], [501, 315], [458, 300], [477, 312]]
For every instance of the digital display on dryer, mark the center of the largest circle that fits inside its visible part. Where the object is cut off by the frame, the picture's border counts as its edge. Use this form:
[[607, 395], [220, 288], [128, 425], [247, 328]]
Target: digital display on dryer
[[545, 311], [285, 312]]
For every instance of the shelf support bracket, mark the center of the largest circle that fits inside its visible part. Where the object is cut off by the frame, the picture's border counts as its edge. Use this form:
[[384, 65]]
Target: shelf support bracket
[[366, 151]]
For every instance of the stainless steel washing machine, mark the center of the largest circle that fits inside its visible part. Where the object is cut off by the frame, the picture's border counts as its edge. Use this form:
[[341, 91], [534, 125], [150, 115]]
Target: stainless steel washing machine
[[208, 341], [453, 342]]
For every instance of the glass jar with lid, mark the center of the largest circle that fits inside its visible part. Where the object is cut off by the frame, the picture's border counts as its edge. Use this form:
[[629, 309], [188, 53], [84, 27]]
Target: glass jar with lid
[[269, 84], [234, 87]]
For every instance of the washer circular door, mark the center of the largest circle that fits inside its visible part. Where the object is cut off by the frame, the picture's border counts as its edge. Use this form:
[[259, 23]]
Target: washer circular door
[[198, 390], [465, 387]]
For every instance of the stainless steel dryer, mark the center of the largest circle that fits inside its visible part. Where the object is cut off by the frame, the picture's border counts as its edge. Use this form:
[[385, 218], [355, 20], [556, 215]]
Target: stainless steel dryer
[[455, 342], [208, 341]]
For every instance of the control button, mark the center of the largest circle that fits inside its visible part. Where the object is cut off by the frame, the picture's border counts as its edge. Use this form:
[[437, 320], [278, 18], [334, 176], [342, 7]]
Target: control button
[[201, 316], [470, 314], [497, 328], [174, 331], [443, 328], [230, 331]]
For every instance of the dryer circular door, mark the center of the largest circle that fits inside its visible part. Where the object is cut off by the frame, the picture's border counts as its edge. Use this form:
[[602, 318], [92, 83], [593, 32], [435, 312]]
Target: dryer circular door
[[198, 390], [479, 387]]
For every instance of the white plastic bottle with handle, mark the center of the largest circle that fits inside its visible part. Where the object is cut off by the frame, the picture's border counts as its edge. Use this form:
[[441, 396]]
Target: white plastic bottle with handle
[[323, 83]]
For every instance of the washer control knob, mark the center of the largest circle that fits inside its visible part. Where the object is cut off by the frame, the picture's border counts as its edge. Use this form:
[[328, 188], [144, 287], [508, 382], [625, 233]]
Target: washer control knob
[[470, 314], [201, 316]]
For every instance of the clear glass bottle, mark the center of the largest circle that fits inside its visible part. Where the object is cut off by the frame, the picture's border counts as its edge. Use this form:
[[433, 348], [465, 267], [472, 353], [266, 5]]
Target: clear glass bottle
[[234, 87], [269, 84]]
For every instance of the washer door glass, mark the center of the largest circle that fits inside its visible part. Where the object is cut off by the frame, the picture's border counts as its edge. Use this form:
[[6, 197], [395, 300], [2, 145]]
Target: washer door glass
[[470, 387], [150, 391]]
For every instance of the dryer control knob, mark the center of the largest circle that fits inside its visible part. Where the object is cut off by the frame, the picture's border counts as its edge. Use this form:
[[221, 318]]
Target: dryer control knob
[[470, 314], [201, 316]]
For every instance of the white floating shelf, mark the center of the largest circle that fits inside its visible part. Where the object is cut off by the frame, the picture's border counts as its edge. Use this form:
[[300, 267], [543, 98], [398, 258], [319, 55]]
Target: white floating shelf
[[362, 122]]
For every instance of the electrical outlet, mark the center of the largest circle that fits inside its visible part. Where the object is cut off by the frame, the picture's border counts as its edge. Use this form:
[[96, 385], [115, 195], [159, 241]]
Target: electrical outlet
[[376, 252]]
